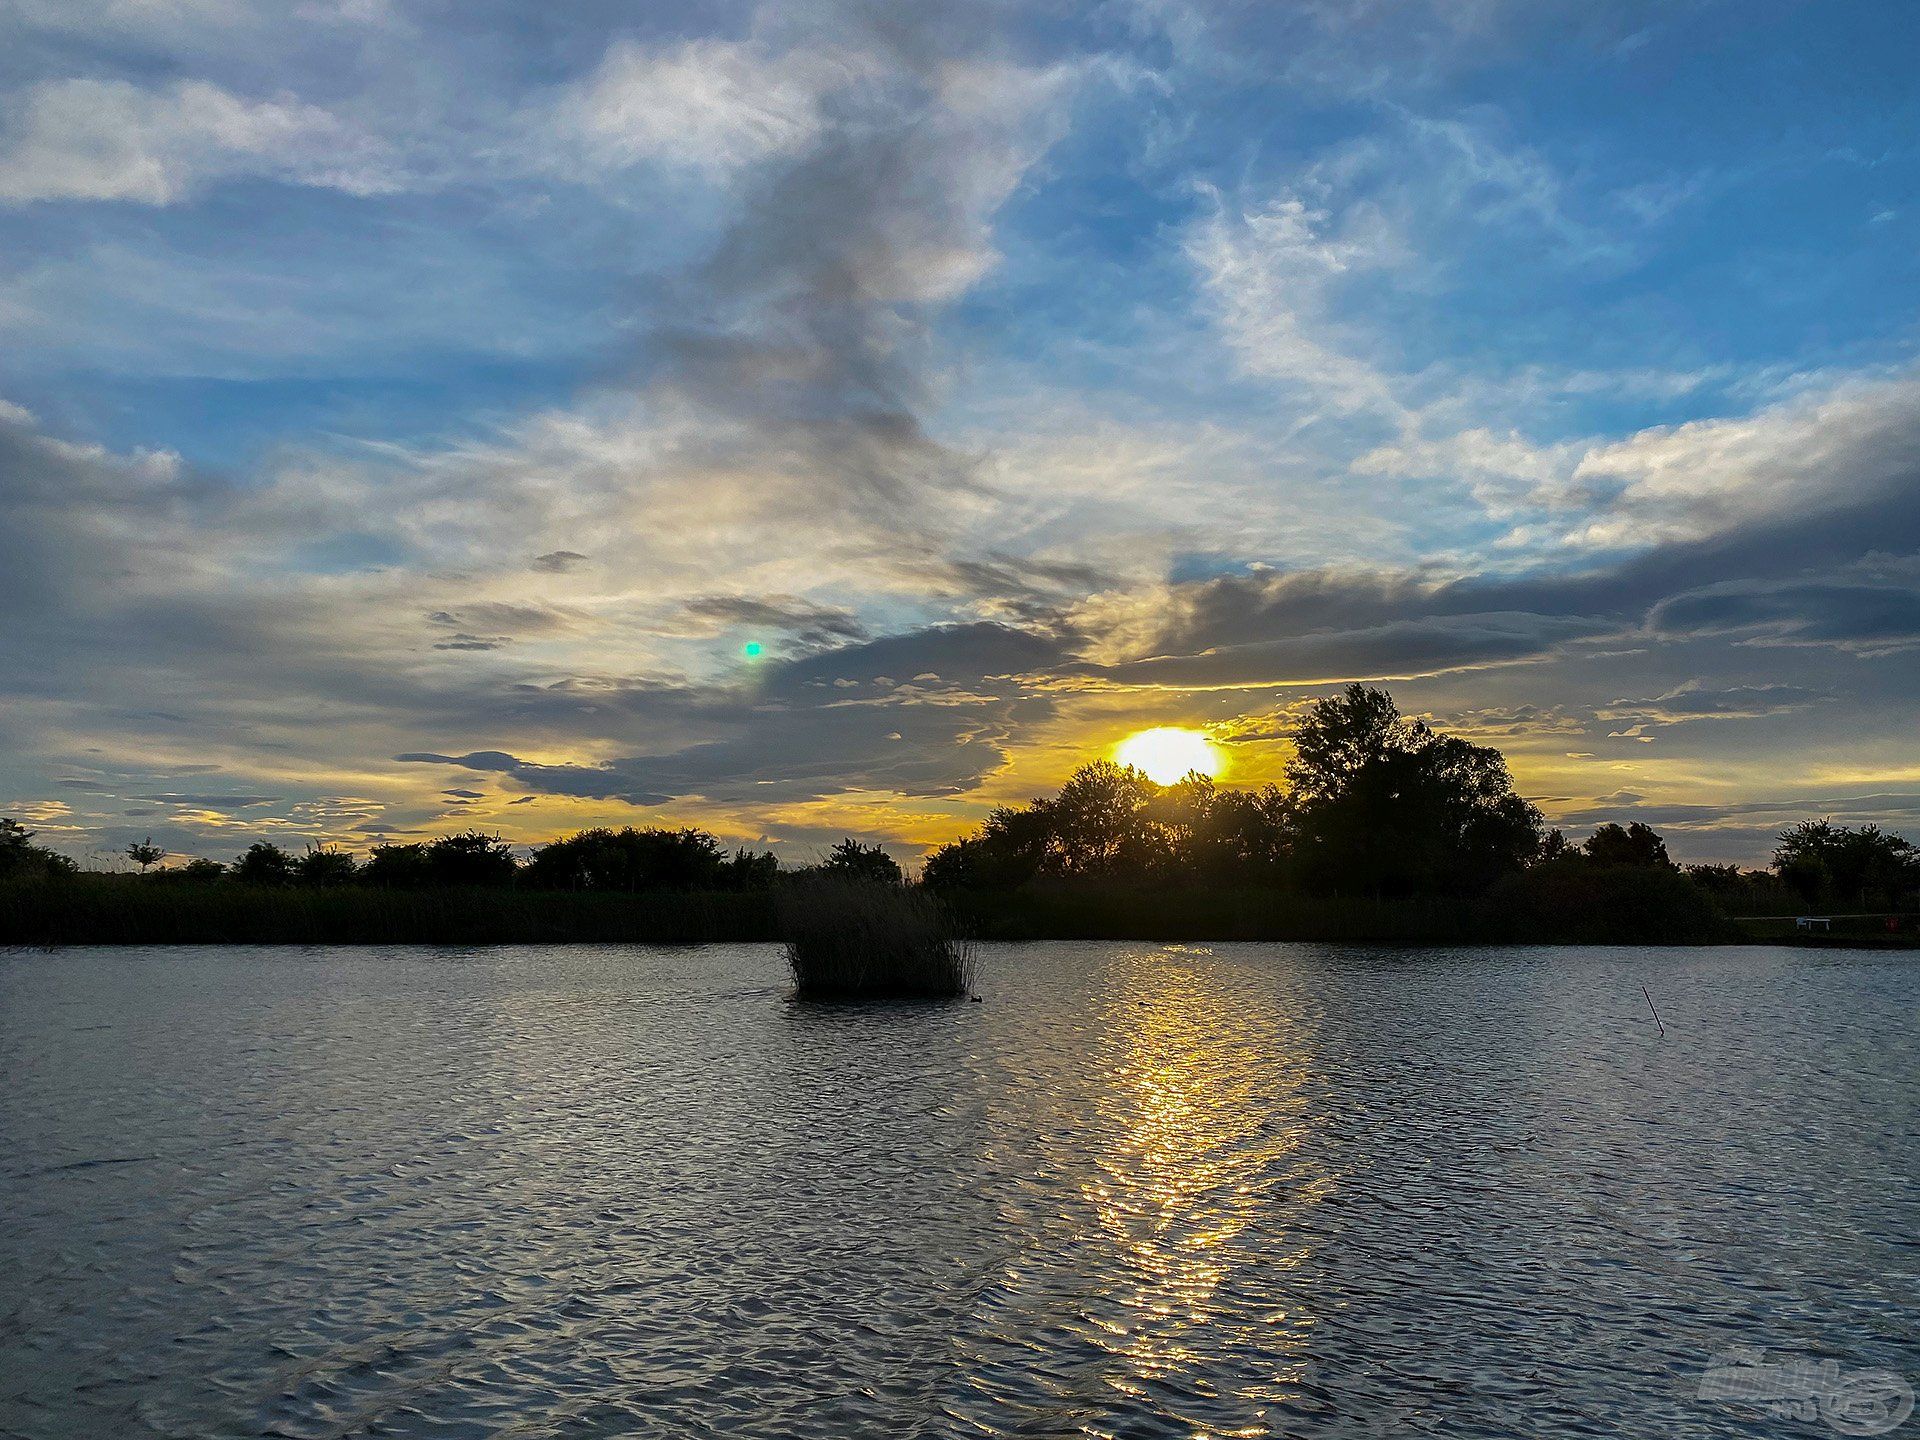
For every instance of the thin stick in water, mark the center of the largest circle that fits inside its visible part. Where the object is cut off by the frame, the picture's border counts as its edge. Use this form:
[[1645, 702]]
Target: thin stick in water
[[1656, 1013]]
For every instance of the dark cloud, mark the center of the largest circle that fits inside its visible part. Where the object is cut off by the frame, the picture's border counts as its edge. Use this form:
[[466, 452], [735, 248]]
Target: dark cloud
[[497, 615], [558, 562], [1398, 649], [810, 625], [1698, 701], [464, 641], [829, 723], [1859, 617]]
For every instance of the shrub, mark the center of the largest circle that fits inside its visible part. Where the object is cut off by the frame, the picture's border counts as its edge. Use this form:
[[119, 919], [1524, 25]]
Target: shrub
[[857, 940], [1578, 902]]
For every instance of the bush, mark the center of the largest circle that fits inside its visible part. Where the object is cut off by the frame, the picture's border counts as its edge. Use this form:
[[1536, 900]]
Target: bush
[[859, 940], [1574, 901]]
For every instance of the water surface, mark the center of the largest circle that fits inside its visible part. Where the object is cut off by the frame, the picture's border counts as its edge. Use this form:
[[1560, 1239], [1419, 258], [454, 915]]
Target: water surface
[[1142, 1190]]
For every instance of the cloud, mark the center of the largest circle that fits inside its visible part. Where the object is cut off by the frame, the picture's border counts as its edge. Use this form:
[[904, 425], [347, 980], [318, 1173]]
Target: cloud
[[1697, 700], [809, 625], [1398, 650], [1269, 272], [832, 723], [212, 801], [705, 104], [86, 139], [1844, 441], [1858, 612]]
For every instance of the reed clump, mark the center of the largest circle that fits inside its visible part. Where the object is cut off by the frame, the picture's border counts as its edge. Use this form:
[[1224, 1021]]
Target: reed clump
[[851, 939]]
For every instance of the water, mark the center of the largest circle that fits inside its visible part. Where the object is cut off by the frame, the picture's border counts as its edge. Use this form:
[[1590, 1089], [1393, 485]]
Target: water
[[1141, 1191]]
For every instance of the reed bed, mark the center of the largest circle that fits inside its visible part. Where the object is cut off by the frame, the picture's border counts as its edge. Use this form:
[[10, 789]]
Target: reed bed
[[850, 940]]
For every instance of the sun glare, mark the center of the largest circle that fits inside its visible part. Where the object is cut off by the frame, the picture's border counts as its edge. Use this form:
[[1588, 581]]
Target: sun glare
[[1169, 753]]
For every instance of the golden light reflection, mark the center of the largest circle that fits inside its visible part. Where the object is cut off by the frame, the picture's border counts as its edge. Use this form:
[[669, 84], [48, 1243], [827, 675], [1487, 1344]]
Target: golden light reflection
[[1207, 1184], [1167, 754]]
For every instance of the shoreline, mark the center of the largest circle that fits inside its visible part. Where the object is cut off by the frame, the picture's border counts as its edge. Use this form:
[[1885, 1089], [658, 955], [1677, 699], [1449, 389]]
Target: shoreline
[[127, 910]]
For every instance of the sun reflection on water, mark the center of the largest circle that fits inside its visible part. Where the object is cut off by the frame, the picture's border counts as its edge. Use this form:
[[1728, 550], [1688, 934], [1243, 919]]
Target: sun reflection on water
[[1175, 1283]]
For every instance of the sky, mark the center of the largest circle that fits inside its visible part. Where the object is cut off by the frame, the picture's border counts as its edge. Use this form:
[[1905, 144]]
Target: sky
[[802, 419]]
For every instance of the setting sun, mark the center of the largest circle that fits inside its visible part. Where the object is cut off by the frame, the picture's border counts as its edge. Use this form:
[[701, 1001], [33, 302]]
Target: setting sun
[[1169, 753]]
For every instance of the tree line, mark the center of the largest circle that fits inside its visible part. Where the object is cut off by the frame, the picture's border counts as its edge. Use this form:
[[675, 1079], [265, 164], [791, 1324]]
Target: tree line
[[1381, 806], [1375, 805]]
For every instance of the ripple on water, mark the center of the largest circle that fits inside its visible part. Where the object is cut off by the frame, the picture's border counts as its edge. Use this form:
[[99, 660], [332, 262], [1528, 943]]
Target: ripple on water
[[1144, 1191]]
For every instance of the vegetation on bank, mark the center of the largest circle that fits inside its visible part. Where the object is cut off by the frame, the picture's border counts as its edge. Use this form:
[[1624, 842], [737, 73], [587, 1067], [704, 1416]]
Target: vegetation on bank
[[1385, 830]]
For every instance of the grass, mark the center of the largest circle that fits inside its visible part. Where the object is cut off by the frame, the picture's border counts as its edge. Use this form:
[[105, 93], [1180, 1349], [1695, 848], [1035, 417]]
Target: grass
[[850, 940]]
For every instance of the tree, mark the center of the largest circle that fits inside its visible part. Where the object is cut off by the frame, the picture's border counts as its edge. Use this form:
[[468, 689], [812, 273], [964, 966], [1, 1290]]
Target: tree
[[751, 869], [145, 853], [630, 859], [850, 860], [1388, 806], [322, 865], [1007, 852], [264, 863], [201, 868], [21, 859], [1093, 825], [471, 858], [1633, 844], [397, 866], [1821, 861]]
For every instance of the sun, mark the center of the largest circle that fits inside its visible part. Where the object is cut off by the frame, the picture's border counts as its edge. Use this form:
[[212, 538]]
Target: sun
[[1169, 753]]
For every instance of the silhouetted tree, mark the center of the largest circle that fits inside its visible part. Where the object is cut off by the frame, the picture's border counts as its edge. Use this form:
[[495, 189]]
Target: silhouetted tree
[[1632, 844], [1731, 885], [201, 868], [631, 859], [1111, 822], [751, 869], [401, 866], [322, 865], [1388, 806], [1007, 852], [264, 863], [850, 860], [145, 854], [21, 859], [1092, 826], [1821, 861], [471, 858]]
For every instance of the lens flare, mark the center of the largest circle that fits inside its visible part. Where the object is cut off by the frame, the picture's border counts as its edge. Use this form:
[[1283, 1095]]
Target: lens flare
[[1170, 753], [753, 649]]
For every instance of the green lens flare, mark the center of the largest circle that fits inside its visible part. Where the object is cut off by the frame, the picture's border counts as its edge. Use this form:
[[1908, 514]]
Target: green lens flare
[[752, 649]]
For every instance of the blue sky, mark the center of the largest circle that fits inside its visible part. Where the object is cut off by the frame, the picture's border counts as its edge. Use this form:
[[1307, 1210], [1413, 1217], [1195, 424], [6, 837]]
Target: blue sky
[[402, 400]]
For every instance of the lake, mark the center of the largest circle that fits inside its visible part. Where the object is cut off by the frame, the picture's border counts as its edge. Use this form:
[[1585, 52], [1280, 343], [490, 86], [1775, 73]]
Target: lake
[[1140, 1190]]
